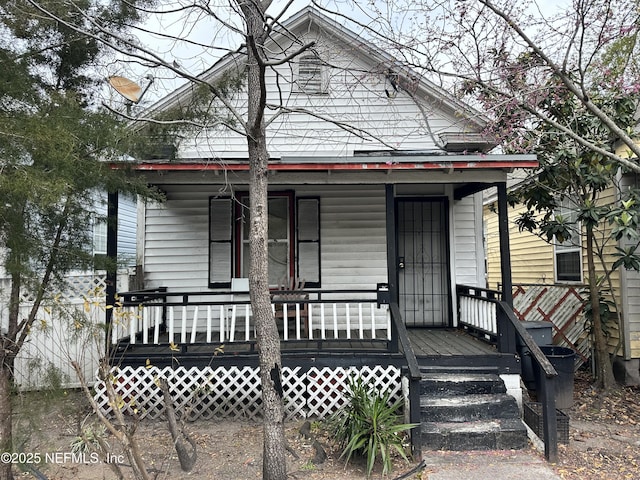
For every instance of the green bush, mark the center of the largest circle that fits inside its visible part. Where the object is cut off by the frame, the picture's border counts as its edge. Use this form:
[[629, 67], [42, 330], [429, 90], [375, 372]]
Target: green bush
[[369, 426]]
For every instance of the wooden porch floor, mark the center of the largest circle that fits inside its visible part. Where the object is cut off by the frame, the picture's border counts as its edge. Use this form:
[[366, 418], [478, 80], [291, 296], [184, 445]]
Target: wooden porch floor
[[434, 348], [454, 348], [447, 342]]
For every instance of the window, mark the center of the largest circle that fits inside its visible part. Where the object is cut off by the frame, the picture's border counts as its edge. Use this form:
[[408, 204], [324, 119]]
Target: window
[[293, 243], [568, 254], [99, 236], [311, 79]]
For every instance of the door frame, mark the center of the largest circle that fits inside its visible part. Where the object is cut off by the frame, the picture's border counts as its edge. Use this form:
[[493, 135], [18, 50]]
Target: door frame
[[392, 203]]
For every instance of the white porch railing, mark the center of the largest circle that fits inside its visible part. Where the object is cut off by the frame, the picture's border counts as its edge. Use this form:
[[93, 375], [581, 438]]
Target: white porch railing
[[156, 318], [477, 310]]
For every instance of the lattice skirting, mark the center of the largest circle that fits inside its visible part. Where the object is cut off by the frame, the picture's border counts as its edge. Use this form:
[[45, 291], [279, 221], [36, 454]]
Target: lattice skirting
[[231, 392]]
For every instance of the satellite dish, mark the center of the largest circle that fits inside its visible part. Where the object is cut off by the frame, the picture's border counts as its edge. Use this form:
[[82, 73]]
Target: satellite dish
[[127, 88]]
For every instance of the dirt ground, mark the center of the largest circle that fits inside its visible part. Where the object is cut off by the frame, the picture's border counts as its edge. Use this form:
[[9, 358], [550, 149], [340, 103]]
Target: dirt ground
[[604, 444]]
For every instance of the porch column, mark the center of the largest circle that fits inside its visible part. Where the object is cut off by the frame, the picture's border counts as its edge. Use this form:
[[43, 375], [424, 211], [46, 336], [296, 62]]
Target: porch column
[[112, 255], [506, 331], [505, 252], [392, 256]]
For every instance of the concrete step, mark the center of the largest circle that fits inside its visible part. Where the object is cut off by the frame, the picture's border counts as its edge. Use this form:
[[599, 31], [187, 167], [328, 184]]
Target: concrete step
[[495, 434], [447, 385], [466, 408]]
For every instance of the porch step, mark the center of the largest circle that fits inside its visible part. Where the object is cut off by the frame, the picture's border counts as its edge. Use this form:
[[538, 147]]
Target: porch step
[[469, 410], [447, 385], [498, 434]]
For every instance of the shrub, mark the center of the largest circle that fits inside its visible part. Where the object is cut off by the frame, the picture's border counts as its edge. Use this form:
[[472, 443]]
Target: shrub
[[369, 426]]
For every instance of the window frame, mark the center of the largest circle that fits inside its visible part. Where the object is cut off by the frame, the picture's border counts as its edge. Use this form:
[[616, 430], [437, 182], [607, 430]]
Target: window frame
[[238, 252], [233, 237], [99, 235], [569, 246]]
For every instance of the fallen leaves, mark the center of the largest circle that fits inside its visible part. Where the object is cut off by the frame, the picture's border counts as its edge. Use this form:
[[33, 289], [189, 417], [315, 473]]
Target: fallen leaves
[[604, 435]]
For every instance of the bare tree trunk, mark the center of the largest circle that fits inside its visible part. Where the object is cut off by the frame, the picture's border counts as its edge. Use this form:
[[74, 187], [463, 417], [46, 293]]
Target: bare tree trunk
[[6, 416], [7, 356], [185, 446], [274, 459], [604, 371]]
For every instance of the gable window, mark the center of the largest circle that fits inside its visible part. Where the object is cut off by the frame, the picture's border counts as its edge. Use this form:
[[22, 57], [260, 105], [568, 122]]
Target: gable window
[[293, 243], [568, 254], [310, 77]]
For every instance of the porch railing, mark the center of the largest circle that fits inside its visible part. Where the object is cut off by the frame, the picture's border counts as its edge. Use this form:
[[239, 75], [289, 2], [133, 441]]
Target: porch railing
[[154, 317], [502, 324], [478, 311]]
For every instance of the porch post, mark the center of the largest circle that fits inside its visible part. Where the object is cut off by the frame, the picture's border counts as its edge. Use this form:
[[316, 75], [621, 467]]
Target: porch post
[[505, 256], [506, 331], [112, 255], [391, 256], [391, 242]]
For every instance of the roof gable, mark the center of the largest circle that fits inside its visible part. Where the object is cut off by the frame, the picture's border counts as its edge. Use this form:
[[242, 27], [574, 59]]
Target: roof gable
[[365, 103]]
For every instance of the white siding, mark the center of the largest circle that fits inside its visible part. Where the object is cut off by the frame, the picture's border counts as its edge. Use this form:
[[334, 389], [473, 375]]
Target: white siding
[[467, 230], [631, 292], [353, 238], [176, 240], [355, 98]]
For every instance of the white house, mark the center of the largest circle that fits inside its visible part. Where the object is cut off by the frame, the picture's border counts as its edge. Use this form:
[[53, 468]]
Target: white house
[[375, 213]]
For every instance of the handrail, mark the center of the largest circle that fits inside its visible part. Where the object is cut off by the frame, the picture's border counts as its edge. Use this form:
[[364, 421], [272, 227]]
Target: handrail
[[545, 380], [489, 293], [161, 293], [414, 378], [403, 338], [508, 328], [156, 315], [534, 348]]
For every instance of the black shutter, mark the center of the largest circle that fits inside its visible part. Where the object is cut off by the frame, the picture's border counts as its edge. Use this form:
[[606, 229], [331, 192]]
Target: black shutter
[[308, 240], [220, 242]]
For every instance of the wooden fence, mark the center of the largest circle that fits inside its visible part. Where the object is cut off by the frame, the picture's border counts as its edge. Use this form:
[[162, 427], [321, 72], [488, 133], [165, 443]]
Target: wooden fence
[[562, 305]]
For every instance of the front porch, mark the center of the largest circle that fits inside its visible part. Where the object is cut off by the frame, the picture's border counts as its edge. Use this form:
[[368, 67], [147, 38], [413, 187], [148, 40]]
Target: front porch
[[331, 328], [207, 353]]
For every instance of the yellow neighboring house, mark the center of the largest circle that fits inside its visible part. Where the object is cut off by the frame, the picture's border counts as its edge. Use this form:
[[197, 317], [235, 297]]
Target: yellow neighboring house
[[535, 261]]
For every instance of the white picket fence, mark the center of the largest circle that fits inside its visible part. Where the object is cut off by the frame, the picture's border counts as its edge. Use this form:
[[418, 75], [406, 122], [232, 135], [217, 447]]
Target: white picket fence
[[54, 341]]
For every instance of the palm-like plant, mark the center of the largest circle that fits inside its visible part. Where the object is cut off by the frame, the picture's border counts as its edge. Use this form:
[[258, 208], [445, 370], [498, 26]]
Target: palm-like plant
[[370, 426]]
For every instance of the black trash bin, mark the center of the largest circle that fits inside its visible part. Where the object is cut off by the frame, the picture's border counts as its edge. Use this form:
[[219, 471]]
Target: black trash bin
[[542, 333], [563, 360]]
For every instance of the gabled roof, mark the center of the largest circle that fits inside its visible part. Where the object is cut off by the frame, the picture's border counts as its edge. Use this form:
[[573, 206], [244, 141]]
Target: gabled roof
[[300, 22], [426, 88], [456, 141]]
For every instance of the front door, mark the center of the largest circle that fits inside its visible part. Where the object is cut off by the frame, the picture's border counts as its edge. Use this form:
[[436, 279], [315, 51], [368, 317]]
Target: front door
[[423, 262]]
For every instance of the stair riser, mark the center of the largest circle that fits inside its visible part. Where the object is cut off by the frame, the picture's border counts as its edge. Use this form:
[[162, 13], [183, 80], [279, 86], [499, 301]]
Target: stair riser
[[504, 440], [468, 410], [440, 389], [462, 412]]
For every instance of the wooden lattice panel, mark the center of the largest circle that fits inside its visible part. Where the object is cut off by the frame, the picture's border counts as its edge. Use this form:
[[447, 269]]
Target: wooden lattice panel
[[235, 392], [560, 305]]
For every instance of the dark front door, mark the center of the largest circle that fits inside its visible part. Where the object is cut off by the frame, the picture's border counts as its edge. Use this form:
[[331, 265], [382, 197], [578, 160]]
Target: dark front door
[[423, 262]]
